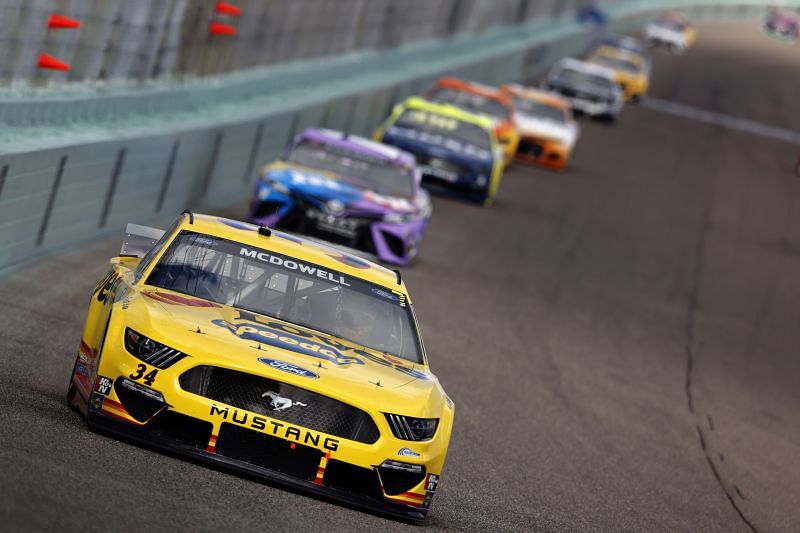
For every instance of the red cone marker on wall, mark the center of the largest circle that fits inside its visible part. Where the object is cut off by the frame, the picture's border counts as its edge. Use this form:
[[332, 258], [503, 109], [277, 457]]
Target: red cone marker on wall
[[51, 63], [224, 8], [60, 22], [217, 28]]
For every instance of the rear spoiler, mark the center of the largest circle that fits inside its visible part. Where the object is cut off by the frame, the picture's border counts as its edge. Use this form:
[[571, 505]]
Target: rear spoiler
[[139, 240]]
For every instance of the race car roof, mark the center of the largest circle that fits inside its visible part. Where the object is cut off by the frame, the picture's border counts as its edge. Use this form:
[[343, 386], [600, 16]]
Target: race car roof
[[480, 89], [617, 53], [583, 66], [293, 246], [538, 95], [482, 121], [359, 144]]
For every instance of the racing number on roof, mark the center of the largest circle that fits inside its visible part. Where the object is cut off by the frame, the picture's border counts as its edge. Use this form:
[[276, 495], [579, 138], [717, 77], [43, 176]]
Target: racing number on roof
[[141, 374], [433, 120]]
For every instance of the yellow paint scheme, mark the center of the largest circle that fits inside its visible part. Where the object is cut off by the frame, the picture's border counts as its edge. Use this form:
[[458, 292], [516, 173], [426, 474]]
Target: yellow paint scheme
[[508, 138], [635, 84], [447, 110], [691, 35], [191, 325]]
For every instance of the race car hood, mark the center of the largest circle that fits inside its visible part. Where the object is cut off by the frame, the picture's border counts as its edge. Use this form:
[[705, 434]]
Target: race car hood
[[212, 333], [439, 146], [535, 126], [325, 189]]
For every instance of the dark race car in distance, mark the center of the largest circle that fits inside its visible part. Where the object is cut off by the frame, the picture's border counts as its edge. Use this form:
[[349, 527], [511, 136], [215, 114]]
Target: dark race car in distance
[[457, 151]]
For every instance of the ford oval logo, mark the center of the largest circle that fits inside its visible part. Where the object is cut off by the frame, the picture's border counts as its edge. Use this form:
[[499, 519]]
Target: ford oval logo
[[288, 368]]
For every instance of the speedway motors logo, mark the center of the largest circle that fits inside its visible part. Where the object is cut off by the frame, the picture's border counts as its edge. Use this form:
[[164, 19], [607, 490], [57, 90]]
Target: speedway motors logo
[[252, 327]]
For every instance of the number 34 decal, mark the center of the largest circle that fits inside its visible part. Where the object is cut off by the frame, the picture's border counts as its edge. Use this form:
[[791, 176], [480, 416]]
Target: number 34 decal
[[141, 374]]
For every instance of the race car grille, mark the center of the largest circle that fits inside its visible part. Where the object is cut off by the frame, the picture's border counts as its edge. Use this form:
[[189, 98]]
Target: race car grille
[[276, 454], [529, 147], [351, 478], [281, 401]]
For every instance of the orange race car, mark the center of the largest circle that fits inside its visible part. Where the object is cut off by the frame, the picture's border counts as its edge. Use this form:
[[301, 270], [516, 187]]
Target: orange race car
[[482, 100], [547, 130]]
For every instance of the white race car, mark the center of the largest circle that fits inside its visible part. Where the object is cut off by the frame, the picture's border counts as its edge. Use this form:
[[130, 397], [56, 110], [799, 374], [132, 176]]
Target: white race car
[[589, 88], [673, 31]]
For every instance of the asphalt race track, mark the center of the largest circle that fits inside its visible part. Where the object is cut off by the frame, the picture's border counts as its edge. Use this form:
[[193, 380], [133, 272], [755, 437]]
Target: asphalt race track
[[621, 341]]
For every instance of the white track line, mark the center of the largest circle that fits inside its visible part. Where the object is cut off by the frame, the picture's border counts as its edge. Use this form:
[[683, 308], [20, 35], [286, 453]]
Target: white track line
[[720, 119]]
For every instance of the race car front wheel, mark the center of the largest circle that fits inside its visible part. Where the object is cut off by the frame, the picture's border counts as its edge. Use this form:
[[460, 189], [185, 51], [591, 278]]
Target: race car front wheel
[[71, 390]]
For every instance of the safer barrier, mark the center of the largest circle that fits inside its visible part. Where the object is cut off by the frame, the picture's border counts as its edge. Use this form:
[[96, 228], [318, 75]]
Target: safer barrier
[[61, 186], [137, 40]]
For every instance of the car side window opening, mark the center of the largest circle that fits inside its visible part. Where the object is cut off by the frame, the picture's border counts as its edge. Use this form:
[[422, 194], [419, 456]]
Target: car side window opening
[[154, 251]]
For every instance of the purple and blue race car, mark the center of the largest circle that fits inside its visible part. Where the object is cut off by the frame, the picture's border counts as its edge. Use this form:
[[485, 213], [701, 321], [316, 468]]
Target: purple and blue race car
[[348, 191]]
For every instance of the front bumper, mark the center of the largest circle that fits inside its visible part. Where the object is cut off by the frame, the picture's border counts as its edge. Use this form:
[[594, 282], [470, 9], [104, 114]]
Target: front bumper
[[595, 109], [542, 151], [408, 513], [252, 443]]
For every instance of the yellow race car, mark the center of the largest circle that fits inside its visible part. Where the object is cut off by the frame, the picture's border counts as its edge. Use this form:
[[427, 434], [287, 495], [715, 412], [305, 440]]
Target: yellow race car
[[630, 69], [270, 355]]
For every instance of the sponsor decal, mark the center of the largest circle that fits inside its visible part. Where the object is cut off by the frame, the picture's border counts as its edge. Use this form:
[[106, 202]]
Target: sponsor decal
[[177, 299], [96, 403], [81, 370], [283, 336], [428, 499], [274, 427], [407, 452], [335, 207], [385, 294], [281, 403], [252, 327], [107, 288], [313, 180], [103, 385], [288, 368], [432, 482], [295, 265]]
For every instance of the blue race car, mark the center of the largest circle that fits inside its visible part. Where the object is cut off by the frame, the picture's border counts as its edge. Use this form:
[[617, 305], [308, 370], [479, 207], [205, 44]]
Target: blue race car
[[457, 151]]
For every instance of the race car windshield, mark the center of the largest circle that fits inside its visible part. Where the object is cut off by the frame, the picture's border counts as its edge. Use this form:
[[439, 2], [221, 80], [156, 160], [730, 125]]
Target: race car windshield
[[617, 64], [289, 289], [474, 103], [539, 109], [579, 76], [444, 127], [356, 168]]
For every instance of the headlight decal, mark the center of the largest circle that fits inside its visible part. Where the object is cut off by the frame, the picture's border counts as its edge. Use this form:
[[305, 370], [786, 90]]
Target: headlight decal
[[413, 429], [150, 351]]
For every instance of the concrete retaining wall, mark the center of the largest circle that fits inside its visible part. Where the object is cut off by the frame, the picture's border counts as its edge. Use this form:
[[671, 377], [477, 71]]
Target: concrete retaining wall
[[66, 185]]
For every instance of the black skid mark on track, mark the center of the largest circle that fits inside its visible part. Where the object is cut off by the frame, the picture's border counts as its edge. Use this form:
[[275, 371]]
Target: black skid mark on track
[[691, 356]]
